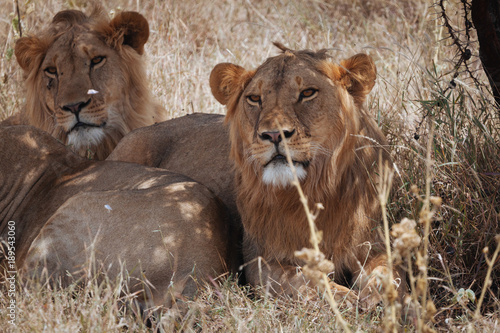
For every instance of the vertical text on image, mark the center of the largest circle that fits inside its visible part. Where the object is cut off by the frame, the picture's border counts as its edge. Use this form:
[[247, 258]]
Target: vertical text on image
[[11, 272]]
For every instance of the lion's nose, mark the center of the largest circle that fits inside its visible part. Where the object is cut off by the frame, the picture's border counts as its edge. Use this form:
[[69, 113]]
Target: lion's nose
[[75, 108], [275, 137]]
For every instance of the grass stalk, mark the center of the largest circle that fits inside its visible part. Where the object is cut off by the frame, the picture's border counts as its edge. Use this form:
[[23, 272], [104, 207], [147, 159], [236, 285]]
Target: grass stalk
[[314, 236], [425, 219], [384, 190], [487, 281]]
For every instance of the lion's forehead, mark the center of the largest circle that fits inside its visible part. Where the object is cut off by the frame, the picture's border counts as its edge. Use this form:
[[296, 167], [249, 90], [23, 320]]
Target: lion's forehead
[[287, 77], [75, 45], [279, 84]]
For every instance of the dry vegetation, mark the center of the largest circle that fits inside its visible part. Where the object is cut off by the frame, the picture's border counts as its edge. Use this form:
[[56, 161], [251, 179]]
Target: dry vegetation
[[456, 156]]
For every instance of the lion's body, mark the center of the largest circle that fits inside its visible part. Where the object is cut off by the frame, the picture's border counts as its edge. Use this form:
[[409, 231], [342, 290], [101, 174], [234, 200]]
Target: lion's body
[[169, 145], [195, 145], [335, 147], [85, 80], [68, 210]]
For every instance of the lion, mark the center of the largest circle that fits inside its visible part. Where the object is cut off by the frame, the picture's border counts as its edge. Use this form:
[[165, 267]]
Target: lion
[[147, 223], [335, 146], [85, 80]]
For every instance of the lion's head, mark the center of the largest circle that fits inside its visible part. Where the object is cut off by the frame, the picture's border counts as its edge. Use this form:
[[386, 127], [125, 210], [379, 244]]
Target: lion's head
[[85, 79], [317, 103], [334, 145]]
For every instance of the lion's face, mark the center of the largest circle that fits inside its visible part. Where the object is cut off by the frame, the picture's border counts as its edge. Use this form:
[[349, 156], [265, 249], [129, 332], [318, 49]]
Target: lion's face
[[85, 79], [294, 96], [298, 92], [80, 74]]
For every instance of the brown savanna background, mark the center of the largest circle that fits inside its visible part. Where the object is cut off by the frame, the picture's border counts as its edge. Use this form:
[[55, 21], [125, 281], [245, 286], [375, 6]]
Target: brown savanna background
[[414, 92]]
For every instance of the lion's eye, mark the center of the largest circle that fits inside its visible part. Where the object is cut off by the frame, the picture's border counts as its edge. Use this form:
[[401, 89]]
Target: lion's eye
[[308, 94], [253, 100], [51, 71], [97, 60]]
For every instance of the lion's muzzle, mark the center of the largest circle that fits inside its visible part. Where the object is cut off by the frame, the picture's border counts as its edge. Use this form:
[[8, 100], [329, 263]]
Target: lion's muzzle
[[275, 136], [76, 108]]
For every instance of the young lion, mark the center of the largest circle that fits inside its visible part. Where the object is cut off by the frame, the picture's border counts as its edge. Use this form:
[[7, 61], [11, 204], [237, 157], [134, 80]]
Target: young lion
[[85, 80], [334, 145]]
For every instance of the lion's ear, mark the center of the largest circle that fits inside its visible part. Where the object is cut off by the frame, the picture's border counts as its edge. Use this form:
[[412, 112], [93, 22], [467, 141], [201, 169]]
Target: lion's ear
[[133, 28], [227, 79], [29, 51], [357, 74]]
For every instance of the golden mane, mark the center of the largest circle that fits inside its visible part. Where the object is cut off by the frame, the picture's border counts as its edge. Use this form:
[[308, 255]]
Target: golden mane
[[340, 182]]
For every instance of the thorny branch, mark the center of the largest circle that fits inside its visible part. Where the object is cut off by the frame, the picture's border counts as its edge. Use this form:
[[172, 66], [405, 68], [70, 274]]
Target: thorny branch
[[19, 19], [464, 52]]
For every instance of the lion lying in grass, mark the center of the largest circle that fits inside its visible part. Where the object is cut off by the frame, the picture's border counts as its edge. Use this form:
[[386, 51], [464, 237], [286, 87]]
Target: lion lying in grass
[[335, 146], [85, 80], [160, 226]]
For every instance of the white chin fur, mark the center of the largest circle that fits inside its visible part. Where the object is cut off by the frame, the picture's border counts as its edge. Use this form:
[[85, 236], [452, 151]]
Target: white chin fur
[[85, 137], [280, 174]]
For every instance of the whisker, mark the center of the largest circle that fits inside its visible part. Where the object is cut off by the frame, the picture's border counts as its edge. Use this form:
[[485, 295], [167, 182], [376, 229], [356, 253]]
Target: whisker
[[318, 149]]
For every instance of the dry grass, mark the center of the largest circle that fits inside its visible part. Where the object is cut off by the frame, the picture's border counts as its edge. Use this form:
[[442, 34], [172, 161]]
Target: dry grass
[[415, 66]]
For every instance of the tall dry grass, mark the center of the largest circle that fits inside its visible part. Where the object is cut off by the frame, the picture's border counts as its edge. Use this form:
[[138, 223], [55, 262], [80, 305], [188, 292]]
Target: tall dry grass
[[456, 157]]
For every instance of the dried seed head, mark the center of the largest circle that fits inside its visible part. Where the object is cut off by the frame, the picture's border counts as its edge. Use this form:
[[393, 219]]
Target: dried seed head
[[425, 216], [405, 237], [316, 265], [437, 201], [315, 260], [391, 293], [414, 189], [421, 286], [314, 275], [326, 266], [431, 310], [421, 262]]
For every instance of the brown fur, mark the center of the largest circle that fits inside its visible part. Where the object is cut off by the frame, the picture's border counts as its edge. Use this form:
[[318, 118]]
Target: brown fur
[[160, 225], [331, 137], [77, 53], [170, 145]]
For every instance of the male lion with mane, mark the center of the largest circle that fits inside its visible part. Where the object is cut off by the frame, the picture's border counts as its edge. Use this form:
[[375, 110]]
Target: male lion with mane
[[85, 80], [335, 147]]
